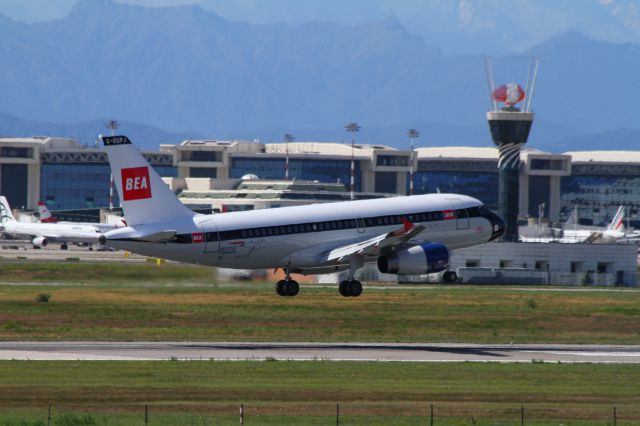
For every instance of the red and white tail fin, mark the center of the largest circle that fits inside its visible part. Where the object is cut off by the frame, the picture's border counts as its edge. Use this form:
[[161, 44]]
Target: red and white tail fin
[[617, 224], [45, 214], [144, 196]]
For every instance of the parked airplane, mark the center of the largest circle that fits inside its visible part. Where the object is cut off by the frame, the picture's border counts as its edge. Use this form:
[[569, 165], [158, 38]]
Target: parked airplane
[[43, 233], [404, 235], [615, 231], [47, 217]]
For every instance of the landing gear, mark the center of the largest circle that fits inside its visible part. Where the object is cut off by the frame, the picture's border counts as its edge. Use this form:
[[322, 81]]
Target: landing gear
[[287, 287], [450, 277], [350, 288], [64, 246]]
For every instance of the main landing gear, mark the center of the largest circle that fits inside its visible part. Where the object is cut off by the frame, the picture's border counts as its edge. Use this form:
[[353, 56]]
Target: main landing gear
[[287, 287], [350, 288]]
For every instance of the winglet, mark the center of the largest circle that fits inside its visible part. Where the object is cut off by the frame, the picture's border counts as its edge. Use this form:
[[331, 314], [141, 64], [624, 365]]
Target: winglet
[[408, 226]]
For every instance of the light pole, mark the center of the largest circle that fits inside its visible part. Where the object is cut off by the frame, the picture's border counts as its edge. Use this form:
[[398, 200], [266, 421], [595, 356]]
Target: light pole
[[287, 138], [353, 128], [413, 133], [113, 126]]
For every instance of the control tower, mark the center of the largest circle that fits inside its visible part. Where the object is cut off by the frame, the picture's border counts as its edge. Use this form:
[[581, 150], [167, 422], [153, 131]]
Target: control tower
[[510, 119]]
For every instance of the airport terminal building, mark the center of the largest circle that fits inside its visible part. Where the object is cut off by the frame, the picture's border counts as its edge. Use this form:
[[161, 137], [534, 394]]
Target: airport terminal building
[[67, 175]]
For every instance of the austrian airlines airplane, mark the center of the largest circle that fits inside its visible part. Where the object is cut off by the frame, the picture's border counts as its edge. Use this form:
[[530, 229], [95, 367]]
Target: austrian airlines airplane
[[404, 235]]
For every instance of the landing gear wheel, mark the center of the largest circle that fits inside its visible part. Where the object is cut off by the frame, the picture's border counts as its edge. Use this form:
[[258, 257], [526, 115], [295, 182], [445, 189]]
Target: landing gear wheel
[[352, 288], [355, 288], [292, 288], [450, 277], [343, 288], [281, 287], [287, 288]]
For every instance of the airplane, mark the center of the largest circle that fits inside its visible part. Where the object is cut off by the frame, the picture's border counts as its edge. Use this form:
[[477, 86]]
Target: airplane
[[404, 235], [47, 217], [43, 233], [615, 231]]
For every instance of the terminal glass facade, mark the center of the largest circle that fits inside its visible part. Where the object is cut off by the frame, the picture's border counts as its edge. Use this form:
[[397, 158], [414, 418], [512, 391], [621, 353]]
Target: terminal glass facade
[[66, 186], [330, 171], [480, 185], [14, 184], [598, 194]]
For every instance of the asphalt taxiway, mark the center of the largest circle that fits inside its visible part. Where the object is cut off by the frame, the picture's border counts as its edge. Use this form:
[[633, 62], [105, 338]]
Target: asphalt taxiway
[[318, 351]]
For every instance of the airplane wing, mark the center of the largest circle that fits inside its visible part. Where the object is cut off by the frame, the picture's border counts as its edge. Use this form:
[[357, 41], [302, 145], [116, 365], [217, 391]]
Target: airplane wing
[[593, 237], [376, 245]]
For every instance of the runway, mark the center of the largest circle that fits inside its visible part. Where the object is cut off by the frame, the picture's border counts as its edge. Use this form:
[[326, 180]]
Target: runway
[[318, 351]]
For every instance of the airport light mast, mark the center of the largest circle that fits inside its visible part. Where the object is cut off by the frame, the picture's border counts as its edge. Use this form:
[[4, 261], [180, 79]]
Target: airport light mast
[[413, 133], [113, 126], [353, 128], [287, 138]]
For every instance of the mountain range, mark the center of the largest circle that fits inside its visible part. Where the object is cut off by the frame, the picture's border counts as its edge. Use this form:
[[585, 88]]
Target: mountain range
[[189, 71]]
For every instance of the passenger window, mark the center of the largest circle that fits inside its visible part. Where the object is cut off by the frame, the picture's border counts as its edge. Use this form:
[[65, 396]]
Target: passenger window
[[283, 230], [352, 223], [243, 233], [315, 226], [270, 231]]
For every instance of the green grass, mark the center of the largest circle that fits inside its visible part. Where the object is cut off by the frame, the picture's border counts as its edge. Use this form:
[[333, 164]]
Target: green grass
[[72, 271], [287, 392], [166, 309]]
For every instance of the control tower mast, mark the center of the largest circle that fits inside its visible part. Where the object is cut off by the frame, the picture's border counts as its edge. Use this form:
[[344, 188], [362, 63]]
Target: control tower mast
[[509, 125]]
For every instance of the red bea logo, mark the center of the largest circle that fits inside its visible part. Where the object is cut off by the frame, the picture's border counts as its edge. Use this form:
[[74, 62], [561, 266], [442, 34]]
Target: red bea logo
[[449, 215], [197, 237], [135, 183]]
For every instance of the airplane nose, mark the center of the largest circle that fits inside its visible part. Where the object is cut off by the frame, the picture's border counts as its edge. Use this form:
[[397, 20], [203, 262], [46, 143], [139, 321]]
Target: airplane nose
[[498, 226]]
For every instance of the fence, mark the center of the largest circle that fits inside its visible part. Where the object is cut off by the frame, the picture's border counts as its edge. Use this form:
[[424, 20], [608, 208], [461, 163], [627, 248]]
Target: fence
[[338, 414]]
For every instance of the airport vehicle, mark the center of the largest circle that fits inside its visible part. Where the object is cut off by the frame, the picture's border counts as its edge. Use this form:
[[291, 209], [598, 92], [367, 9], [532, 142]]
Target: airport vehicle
[[404, 235], [44, 233], [47, 217]]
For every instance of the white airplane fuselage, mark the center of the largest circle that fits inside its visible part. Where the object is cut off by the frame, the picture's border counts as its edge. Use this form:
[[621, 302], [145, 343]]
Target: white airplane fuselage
[[54, 232], [296, 237]]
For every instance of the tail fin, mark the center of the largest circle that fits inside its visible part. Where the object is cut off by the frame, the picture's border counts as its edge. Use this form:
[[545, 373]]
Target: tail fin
[[144, 196], [5, 211], [45, 214], [617, 224]]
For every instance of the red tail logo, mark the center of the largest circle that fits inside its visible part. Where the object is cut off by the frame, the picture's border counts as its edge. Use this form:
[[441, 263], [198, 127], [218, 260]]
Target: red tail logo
[[135, 183]]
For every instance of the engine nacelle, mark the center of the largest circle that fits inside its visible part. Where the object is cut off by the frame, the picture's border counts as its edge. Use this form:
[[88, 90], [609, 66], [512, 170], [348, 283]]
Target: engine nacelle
[[40, 242], [415, 260]]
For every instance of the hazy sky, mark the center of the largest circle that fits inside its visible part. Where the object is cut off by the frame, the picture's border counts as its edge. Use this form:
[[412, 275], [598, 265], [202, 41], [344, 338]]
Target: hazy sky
[[456, 26]]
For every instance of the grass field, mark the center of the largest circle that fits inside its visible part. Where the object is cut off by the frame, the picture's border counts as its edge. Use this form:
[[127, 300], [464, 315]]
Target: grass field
[[174, 302], [284, 392]]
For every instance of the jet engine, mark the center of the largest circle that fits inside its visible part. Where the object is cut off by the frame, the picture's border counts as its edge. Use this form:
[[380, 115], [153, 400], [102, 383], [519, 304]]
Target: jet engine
[[40, 242], [415, 260]]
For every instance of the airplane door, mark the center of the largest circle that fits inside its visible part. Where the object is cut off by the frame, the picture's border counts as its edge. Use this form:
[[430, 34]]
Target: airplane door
[[211, 236], [462, 219], [360, 225]]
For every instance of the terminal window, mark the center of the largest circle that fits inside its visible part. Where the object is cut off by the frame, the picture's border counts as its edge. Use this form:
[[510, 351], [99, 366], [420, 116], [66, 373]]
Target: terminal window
[[15, 152]]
